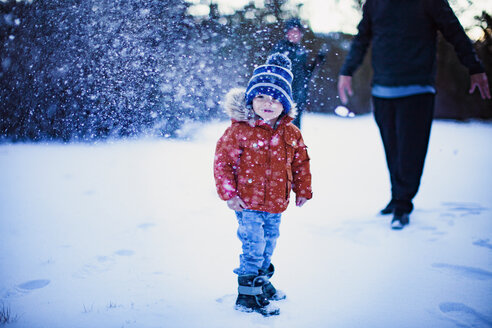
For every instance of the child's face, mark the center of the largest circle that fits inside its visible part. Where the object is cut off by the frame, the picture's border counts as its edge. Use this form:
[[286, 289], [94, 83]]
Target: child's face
[[268, 108]]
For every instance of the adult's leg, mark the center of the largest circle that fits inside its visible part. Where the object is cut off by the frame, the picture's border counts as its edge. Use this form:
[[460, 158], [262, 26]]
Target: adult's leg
[[384, 114], [405, 124], [414, 116]]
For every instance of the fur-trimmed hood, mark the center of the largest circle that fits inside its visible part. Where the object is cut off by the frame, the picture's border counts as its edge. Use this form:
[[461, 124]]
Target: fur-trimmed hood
[[235, 107]]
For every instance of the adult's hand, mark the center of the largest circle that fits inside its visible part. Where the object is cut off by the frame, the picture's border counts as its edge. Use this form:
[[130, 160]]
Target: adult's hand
[[344, 87], [480, 81], [236, 204]]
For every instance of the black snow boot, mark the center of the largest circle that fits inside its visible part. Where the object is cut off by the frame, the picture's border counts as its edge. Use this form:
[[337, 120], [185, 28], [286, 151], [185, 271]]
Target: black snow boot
[[271, 292], [251, 297], [389, 208], [400, 220]]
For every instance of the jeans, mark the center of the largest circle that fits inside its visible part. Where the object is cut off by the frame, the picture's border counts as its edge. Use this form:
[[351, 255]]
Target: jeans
[[258, 232]]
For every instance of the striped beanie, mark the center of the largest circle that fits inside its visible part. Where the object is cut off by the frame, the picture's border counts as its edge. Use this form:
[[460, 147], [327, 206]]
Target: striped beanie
[[274, 78]]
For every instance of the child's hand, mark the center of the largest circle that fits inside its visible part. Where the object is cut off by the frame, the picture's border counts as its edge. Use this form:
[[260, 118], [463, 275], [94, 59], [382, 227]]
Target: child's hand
[[236, 204], [301, 201]]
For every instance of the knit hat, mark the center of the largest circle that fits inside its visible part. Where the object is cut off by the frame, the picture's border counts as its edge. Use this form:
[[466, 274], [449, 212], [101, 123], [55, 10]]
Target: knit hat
[[274, 78], [293, 22]]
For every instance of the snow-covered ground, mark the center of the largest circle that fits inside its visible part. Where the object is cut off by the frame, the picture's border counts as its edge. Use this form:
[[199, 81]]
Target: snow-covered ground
[[132, 234]]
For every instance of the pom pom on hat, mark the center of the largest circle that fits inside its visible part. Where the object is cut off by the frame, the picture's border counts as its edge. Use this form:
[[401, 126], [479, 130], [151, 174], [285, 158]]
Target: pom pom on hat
[[279, 60], [274, 78]]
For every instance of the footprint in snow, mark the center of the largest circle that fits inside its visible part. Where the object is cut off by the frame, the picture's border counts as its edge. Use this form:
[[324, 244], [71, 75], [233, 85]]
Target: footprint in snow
[[146, 226], [34, 284], [465, 271], [464, 208], [483, 243], [464, 316], [98, 265], [227, 299], [25, 288], [124, 252], [101, 264]]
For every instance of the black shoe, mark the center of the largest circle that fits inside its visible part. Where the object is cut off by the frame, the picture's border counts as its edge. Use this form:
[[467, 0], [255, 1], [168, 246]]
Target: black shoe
[[251, 297], [389, 208], [400, 220], [271, 292]]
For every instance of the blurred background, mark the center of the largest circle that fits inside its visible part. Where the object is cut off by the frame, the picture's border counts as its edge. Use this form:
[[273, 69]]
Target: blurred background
[[84, 70]]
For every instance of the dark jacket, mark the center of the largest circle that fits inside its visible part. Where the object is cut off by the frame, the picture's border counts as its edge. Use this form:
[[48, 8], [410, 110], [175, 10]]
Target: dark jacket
[[403, 34], [301, 69]]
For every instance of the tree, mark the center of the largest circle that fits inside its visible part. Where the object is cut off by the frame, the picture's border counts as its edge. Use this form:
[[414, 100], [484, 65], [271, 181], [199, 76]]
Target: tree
[[91, 69]]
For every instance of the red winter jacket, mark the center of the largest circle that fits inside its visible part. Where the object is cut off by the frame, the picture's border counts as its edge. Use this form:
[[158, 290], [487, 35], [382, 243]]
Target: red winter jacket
[[258, 163]]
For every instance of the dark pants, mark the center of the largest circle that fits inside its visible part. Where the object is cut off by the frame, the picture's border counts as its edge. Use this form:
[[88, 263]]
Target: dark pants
[[405, 125]]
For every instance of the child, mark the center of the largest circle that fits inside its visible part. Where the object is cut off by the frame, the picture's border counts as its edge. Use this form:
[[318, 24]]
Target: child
[[258, 160]]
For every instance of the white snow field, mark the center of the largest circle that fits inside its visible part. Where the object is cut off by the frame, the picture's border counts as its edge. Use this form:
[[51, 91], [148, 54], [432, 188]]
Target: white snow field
[[132, 234]]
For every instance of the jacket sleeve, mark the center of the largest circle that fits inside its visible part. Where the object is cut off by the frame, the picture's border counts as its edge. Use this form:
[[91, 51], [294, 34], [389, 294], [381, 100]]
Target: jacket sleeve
[[301, 172], [450, 27], [360, 43], [227, 153]]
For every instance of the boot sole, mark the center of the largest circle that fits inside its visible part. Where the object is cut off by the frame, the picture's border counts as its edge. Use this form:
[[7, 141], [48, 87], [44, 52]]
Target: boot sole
[[261, 311]]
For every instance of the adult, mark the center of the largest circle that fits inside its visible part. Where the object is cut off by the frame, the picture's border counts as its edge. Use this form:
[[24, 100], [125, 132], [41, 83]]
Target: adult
[[302, 67], [403, 35]]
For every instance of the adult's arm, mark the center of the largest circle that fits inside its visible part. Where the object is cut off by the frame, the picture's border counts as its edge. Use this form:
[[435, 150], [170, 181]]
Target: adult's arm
[[356, 54], [360, 43], [452, 30]]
